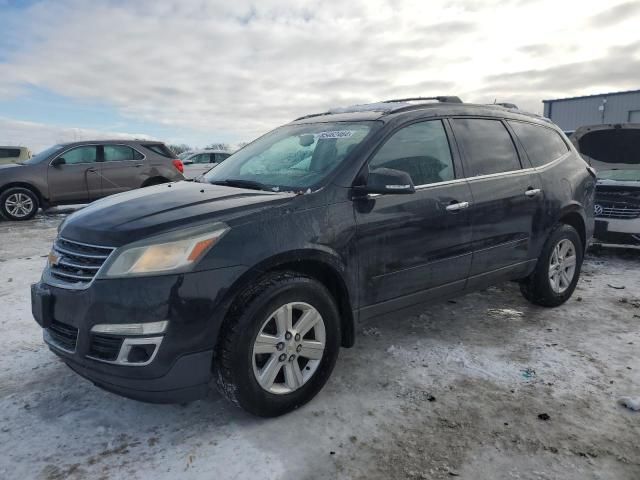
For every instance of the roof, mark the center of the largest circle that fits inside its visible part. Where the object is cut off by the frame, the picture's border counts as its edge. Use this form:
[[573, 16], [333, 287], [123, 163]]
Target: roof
[[112, 140], [379, 110], [208, 150], [610, 94]]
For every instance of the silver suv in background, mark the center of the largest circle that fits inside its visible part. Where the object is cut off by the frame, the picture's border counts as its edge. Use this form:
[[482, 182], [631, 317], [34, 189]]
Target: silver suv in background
[[201, 161], [81, 172], [10, 154], [614, 151]]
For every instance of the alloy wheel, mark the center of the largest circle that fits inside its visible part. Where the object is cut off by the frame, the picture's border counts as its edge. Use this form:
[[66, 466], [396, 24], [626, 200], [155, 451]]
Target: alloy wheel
[[19, 205], [562, 266], [289, 348]]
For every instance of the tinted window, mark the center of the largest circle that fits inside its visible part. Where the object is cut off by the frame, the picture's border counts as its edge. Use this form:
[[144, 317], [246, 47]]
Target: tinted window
[[120, 153], [9, 152], [221, 157], [421, 150], [542, 145], [160, 149], [487, 145], [80, 155]]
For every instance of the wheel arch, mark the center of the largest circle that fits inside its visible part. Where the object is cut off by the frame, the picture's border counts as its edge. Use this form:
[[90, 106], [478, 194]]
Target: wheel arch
[[155, 180], [574, 216], [41, 199], [321, 266]]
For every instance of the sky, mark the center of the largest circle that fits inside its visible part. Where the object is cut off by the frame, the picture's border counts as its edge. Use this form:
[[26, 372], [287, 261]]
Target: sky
[[198, 71]]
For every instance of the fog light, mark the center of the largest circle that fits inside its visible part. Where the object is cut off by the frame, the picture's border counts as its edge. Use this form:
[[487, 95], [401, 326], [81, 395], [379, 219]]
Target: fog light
[[140, 353], [150, 328]]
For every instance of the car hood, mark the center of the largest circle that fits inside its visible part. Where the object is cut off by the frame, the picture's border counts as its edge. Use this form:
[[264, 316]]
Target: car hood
[[131, 216], [610, 147]]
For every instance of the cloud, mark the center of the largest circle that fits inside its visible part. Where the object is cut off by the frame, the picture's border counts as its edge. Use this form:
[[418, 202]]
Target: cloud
[[619, 13], [237, 69], [37, 136]]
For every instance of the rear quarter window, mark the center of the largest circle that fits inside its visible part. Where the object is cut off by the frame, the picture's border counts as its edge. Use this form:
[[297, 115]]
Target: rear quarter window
[[487, 146], [160, 149], [543, 145]]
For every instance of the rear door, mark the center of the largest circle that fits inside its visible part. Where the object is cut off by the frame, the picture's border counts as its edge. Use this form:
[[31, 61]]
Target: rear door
[[123, 169], [413, 247], [507, 199], [78, 178]]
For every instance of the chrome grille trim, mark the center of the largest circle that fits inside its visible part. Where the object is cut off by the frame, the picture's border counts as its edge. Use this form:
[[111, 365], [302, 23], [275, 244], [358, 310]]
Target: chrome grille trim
[[618, 211], [77, 264]]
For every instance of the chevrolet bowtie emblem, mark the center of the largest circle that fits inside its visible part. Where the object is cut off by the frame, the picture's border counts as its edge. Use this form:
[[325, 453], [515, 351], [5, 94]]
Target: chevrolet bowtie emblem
[[53, 259]]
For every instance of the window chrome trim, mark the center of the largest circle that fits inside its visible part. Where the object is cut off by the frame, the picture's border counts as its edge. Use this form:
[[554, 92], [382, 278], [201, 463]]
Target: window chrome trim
[[98, 145], [144, 157]]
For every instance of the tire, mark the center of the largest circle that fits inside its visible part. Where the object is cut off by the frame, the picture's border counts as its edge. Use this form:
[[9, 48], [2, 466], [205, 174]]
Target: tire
[[19, 203], [546, 286], [237, 366]]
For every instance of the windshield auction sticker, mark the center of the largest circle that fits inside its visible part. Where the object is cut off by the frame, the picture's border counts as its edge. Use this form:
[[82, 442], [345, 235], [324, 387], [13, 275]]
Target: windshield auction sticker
[[334, 134]]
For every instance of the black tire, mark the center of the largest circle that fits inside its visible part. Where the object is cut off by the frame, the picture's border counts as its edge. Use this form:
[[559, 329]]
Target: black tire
[[537, 287], [233, 363], [154, 181], [10, 195]]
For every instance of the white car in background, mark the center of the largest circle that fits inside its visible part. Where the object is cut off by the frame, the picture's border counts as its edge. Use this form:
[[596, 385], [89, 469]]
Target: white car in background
[[200, 162]]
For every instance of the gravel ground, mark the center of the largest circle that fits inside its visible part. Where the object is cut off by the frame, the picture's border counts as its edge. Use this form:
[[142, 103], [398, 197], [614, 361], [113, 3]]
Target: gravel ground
[[459, 391]]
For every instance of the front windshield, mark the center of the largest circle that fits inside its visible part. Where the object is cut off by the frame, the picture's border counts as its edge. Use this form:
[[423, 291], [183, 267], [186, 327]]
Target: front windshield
[[42, 155], [293, 157]]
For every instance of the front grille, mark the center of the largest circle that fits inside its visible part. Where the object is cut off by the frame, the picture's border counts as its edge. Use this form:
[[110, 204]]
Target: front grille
[[105, 347], [620, 211], [63, 336], [77, 263]]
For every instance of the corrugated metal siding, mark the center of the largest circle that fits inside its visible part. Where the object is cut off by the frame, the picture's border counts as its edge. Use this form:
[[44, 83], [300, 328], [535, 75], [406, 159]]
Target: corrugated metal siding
[[573, 113]]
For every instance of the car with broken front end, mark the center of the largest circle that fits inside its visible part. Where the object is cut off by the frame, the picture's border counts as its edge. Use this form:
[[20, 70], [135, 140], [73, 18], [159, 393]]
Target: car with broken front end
[[256, 276]]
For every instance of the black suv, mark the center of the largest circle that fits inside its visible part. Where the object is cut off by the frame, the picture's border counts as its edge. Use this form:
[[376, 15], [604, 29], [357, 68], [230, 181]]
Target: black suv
[[257, 276]]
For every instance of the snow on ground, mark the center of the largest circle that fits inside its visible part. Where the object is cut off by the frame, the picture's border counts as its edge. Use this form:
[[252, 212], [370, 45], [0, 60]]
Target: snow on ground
[[456, 390]]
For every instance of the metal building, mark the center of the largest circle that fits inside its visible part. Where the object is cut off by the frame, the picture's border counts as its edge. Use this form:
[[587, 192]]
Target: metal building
[[616, 107]]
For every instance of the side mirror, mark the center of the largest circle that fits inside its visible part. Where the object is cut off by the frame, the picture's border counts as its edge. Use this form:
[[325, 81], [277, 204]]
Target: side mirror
[[58, 161], [387, 180]]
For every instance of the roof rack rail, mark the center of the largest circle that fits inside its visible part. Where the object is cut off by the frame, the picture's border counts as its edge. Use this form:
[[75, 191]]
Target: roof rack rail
[[441, 99], [506, 105]]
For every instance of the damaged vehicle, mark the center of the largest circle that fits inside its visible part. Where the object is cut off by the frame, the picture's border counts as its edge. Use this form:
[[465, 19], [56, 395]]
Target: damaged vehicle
[[256, 276], [613, 150]]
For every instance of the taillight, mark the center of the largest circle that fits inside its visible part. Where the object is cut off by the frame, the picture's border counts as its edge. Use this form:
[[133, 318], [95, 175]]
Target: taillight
[[178, 164]]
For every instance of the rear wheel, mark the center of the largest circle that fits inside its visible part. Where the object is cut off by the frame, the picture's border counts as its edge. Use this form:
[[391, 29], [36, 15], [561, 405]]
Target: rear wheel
[[558, 270], [19, 203], [279, 345]]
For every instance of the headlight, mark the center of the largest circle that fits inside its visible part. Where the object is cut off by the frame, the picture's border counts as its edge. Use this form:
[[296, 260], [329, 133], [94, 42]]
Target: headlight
[[171, 252]]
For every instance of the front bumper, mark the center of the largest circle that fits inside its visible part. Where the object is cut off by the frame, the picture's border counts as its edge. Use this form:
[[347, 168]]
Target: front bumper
[[180, 368], [617, 231]]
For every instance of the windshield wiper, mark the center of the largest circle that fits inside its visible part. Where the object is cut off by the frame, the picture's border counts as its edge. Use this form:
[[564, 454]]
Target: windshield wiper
[[236, 182]]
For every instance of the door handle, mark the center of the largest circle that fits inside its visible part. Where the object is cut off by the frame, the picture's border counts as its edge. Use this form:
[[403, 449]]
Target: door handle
[[139, 165], [455, 207], [92, 170], [532, 192]]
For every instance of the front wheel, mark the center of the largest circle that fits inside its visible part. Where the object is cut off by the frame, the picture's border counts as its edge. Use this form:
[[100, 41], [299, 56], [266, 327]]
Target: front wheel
[[558, 269], [19, 203], [279, 344]]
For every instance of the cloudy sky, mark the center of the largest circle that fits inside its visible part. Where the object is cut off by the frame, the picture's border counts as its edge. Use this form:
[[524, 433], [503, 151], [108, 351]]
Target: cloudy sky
[[199, 71]]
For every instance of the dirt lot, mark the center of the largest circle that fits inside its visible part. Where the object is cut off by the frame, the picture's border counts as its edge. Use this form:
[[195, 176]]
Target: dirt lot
[[456, 391]]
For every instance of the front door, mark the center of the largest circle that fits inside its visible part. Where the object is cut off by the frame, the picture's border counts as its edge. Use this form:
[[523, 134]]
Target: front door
[[123, 169], [415, 246], [506, 199], [77, 179]]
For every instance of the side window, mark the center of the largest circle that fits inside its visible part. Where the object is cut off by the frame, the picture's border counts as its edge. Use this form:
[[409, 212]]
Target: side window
[[220, 157], [201, 158], [542, 145], [422, 150], [487, 145], [120, 153], [9, 153], [80, 155]]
